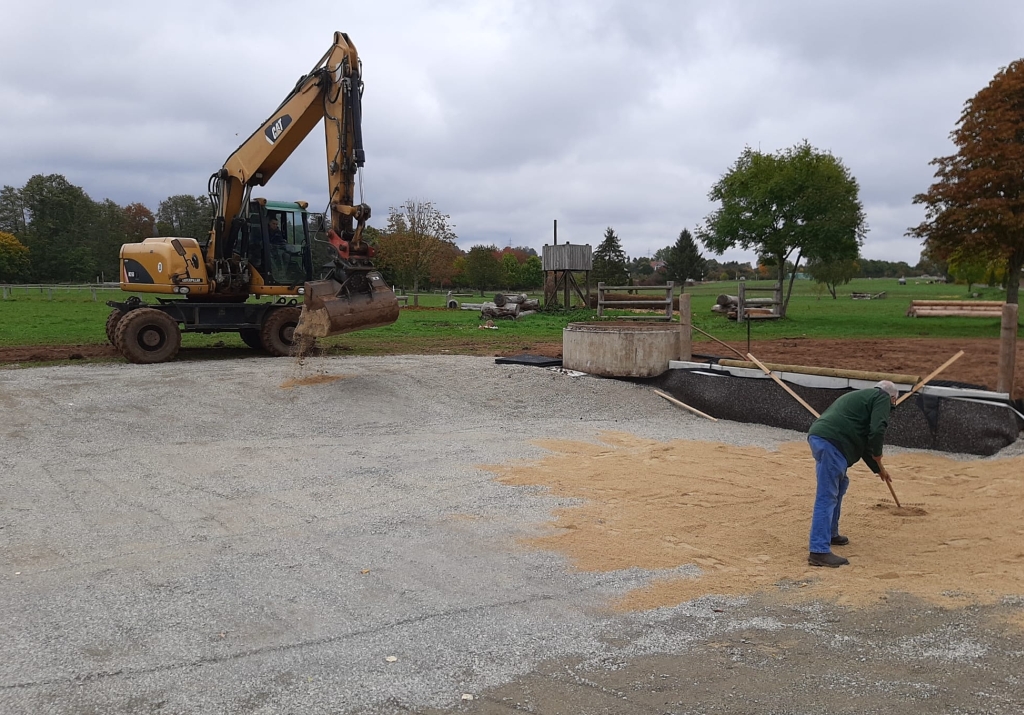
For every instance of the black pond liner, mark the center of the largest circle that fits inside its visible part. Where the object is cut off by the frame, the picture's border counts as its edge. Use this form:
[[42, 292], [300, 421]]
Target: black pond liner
[[532, 360], [923, 422]]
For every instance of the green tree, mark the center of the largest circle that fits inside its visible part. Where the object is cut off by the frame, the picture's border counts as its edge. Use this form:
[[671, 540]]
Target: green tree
[[799, 201], [832, 274], [610, 263], [509, 271], [109, 232], [685, 260], [60, 229], [14, 261], [976, 204], [184, 216], [483, 269], [12, 211], [968, 267], [531, 273], [416, 238]]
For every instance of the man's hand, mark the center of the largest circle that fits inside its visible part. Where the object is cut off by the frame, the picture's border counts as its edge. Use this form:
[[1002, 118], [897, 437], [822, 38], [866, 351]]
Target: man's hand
[[883, 473]]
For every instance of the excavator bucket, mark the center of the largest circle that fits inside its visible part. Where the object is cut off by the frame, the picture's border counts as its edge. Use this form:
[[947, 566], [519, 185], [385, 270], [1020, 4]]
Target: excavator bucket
[[330, 310]]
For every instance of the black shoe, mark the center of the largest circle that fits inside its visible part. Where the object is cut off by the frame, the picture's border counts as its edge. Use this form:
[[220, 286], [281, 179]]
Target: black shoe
[[830, 560], [840, 540]]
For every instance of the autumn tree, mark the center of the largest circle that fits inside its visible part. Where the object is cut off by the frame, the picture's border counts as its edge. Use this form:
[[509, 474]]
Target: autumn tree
[[976, 204], [833, 273], [684, 260], [416, 237], [445, 267], [799, 203], [610, 263], [139, 223], [14, 263]]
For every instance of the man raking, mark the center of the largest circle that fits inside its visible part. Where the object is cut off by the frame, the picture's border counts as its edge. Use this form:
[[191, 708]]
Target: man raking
[[851, 429]]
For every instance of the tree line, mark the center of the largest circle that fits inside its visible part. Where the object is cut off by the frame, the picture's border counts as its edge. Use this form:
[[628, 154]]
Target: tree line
[[51, 231]]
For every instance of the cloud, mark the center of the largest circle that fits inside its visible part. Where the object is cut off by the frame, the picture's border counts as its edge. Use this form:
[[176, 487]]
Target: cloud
[[507, 115]]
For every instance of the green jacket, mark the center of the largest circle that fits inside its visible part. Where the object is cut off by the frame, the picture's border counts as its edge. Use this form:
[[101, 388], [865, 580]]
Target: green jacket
[[855, 423]]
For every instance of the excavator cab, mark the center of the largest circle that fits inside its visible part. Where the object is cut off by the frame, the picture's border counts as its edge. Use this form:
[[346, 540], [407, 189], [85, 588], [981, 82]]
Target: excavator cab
[[278, 246]]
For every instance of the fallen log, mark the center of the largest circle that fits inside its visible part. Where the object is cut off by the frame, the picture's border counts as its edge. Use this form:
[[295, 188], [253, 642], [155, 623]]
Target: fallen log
[[940, 313], [986, 303], [490, 310], [502, 299]]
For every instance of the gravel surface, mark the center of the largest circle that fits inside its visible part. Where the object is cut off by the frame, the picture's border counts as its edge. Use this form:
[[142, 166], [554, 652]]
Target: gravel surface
[[194, 538]]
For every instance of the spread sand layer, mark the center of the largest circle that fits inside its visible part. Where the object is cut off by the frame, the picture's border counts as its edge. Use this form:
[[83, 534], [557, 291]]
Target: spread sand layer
[[742, 514]]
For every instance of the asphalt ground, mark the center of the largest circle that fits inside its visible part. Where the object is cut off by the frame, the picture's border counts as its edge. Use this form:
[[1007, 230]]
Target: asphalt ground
[[194, 538]]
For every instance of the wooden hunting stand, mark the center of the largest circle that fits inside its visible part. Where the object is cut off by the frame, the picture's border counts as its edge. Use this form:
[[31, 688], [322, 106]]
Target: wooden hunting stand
[[560, 263]]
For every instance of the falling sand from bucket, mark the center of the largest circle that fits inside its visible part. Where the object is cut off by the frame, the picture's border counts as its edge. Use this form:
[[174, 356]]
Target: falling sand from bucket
[[310, 380], [742, 515]]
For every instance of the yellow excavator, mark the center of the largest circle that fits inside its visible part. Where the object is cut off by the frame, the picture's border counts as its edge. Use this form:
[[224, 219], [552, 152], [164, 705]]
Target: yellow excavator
[[254, 275]]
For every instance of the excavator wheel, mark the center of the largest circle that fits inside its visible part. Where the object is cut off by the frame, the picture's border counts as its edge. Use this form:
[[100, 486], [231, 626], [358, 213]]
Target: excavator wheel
[[112, 320], [251, 337], [278, 333], [147, 335]]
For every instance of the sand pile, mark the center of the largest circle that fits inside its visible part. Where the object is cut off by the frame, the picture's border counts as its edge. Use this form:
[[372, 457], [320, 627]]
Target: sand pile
[[742, 514]]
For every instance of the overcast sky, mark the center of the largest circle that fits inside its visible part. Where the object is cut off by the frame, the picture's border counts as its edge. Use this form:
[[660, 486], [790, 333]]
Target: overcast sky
[[507, 114]]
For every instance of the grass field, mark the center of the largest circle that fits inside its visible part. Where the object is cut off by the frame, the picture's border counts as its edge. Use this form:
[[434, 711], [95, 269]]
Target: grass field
[[31, 317]]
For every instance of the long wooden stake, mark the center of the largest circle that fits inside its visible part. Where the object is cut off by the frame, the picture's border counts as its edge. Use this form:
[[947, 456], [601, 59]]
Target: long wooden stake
[[685, 406], [730, 347], [783, 385], [925, 381]]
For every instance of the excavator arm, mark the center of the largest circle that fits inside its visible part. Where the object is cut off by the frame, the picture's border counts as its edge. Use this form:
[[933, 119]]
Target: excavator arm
[[354, 296]]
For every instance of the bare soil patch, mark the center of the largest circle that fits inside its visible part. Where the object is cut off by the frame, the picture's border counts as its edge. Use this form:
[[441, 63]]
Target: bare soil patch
[[918, 356], [742, 514], [310, 380], [915, 356]]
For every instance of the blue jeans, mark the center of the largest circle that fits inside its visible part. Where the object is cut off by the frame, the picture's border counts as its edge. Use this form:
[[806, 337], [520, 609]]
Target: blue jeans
[[832, 484]]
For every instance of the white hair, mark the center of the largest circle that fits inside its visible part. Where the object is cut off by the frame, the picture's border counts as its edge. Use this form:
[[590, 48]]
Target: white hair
[[888, 388]]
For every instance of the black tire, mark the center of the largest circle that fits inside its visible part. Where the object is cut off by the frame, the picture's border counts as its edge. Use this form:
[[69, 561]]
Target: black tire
[[251, 337], [112, 320], [147, 336], [277, 335]]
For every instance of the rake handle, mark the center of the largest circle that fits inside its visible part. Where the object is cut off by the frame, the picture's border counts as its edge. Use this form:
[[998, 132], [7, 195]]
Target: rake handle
[[888, 483]]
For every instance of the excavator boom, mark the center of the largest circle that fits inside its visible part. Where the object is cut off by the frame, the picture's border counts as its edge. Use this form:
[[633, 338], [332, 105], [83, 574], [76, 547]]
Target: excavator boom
[[353, 296]]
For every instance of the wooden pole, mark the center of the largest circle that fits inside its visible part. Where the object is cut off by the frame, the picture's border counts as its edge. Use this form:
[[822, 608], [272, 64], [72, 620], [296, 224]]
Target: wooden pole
[[685, 334], [928, 379], [783, 385], [685, 406], [1007, 349]]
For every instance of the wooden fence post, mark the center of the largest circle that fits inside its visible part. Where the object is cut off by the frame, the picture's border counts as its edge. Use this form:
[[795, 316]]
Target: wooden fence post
[[685, 328], [5, 292], [1007, 349]]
